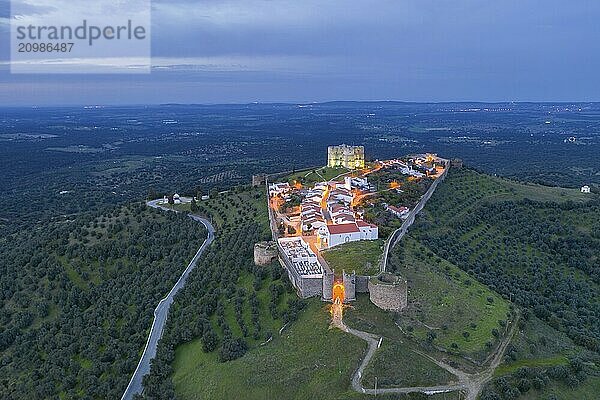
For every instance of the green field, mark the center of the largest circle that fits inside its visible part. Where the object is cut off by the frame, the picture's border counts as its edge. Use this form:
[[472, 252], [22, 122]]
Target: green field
[[308, 360], [309, 177], [362, 257], [447, 302], [395, 363], [389, 366], [466, 190]]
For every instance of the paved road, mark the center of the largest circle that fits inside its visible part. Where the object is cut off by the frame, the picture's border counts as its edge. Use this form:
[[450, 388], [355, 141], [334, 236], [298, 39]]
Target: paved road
[[399, 233], [162, 311]]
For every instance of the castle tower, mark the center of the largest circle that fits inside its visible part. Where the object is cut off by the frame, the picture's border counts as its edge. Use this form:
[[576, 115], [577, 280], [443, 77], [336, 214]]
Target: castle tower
[[352, 157], [328, 278], [349, 281], [388, 292]]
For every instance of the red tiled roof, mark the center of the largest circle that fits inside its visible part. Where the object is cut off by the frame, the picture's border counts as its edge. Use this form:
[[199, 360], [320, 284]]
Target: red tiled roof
[[364, 224], [398, 209], [343, 228]]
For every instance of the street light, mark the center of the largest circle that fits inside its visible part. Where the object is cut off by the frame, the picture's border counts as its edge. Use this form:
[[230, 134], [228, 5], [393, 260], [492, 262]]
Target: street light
[[375, 386]]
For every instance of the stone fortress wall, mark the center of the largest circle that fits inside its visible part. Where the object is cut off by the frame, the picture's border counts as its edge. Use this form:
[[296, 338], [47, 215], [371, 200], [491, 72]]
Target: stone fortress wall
[[327, 290], [362, 284], [392, 297], [349, 281]]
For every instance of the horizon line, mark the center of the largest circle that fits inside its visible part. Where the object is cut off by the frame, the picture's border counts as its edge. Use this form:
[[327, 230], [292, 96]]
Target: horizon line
[[302, 103]]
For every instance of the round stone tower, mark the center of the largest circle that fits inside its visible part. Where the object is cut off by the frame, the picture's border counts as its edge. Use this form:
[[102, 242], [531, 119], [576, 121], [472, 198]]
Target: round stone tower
[[265, 253], [388, 292]]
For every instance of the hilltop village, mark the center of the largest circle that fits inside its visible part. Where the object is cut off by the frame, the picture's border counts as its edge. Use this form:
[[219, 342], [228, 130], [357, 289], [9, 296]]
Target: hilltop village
[[350, 200]]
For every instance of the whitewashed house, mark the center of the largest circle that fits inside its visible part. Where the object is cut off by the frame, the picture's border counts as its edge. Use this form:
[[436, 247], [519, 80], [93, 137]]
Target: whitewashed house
[[333, 235], [400, 212], [279, 188]]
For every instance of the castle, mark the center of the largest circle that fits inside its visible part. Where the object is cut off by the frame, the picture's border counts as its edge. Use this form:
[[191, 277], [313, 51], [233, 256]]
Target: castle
[[351, 157], [311, 278]]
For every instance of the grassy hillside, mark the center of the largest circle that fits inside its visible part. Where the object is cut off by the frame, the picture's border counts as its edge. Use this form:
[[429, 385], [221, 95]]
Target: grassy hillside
[[395, 363], [308, 360], [543, 363], [543, 255], [448, 309]]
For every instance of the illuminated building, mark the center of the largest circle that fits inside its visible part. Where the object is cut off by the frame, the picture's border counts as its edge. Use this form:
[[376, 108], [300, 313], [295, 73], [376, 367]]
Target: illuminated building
[[352, 157], [332, 235]]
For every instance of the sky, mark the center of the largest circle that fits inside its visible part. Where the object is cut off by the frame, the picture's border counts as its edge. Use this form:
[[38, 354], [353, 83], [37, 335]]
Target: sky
[[240, 51]]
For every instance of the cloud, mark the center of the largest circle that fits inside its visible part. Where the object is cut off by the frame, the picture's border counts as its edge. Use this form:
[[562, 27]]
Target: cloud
[[366, 49], [22, 8]]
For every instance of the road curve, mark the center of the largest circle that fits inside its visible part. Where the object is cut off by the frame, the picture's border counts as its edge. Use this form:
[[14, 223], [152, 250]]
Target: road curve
[[161, 311], [373, 342], [469, 384]]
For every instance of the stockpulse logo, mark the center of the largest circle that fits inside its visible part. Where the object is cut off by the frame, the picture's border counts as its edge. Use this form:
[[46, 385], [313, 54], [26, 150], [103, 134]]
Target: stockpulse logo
[[80, 36], [91, 33]]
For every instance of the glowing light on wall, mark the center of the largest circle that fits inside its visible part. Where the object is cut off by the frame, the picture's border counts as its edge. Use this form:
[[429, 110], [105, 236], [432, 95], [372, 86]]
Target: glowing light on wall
[[338, 293]]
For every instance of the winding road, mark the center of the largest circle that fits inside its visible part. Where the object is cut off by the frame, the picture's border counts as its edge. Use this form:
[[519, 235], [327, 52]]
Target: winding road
[[161, 311]]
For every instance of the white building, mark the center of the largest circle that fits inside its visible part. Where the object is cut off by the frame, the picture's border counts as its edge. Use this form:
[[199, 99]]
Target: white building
[[360, 183], [279, 188], [322, 186], [585, 189], [400, 212], [332, 235], [348, 183], [302, 258], [341, 195], [176, 199], [312, 223], [343, 218]]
